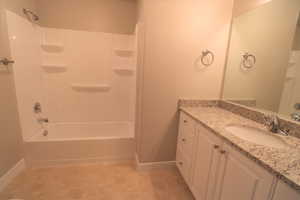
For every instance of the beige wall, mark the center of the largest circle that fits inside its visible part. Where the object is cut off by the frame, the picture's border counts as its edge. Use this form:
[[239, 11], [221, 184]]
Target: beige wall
[[242, 6], [17, 6], [10, 137], [175, 33], [113, 16], [270, 40]]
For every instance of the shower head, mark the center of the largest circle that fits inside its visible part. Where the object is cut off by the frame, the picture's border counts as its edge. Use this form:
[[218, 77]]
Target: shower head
[[31, 14]]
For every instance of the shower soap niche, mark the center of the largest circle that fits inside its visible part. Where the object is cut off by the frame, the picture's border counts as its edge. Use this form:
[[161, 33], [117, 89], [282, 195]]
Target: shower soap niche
[[52, 47], [54, 68], [124, 52], [91, 87]]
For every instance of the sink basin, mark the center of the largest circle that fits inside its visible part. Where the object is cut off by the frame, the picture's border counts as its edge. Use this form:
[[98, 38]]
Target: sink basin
[[256, 136]]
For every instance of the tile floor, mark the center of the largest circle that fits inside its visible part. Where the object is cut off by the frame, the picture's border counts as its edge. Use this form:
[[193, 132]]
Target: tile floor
[[98, 182]]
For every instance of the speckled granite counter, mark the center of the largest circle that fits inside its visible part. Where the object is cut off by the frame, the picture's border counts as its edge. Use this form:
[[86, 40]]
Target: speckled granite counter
[[284, 163]]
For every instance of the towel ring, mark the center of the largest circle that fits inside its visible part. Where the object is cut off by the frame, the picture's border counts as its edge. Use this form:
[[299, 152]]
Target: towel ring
[[204, 55], [246, 58]]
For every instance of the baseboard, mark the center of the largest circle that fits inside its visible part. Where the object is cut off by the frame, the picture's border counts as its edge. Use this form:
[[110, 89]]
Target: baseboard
[[11, 174], [153, 165], [97, 160]]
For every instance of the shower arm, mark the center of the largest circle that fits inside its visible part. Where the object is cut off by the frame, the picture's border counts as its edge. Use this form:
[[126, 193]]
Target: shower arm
[[26, 12]]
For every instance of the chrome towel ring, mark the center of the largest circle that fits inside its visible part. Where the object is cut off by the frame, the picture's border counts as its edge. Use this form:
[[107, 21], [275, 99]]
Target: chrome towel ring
[[249, 60], [205, 58], [31, 15]]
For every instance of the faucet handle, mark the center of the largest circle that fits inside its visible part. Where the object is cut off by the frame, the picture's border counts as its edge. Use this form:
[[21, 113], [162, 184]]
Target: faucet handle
[[297, 106], [295, 116], [285, 131]]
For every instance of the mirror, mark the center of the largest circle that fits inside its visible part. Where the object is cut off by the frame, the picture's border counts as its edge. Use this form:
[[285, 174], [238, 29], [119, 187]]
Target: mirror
[[263, 66]]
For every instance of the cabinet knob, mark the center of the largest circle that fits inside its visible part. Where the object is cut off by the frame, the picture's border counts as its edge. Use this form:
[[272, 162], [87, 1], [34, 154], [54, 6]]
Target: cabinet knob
[[222, 151], [185, 121], [216, 146], [183, 140], [180, 163]]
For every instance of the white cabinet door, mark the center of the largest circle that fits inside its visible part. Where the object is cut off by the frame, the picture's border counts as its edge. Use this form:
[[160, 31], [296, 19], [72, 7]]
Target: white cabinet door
[[284, 192], [241, 178], [206, 164]]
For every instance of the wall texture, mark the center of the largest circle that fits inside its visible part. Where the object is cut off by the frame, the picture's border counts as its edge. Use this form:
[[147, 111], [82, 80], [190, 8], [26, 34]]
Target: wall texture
[[296, 45], [113, 16], [176, 32], [10, 137], [270, 41]]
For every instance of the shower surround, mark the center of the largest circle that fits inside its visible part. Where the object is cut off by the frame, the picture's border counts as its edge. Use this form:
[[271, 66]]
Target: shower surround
[[85, 82]]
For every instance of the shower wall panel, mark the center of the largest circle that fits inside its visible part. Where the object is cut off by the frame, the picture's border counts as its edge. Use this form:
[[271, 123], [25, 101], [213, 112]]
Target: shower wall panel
[[77, 76], [24, 40], [90, 61]]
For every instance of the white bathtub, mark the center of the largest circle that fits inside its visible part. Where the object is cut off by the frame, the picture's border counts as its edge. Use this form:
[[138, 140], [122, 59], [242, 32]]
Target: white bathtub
[[85, 131], [81, 142]]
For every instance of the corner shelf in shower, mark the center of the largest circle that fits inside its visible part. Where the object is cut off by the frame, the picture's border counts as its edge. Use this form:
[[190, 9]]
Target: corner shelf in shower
[[124, 69], [52, 47], [91, 87], [52, 68], [124, 52]]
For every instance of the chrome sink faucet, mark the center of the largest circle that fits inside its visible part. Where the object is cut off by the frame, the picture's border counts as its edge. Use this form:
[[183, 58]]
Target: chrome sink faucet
[[273, 124]]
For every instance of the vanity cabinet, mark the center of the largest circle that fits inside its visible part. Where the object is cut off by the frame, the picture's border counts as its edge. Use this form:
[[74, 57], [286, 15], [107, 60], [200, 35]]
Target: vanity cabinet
[[214, 170]]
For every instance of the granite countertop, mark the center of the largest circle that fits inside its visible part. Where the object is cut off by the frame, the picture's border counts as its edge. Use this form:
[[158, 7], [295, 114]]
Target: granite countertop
[[284, 163]]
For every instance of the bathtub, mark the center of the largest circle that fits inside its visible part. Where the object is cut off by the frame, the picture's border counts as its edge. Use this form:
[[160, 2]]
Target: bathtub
[[80, 142]]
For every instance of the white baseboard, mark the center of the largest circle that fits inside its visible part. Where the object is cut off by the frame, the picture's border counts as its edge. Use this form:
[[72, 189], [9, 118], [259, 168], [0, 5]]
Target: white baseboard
[[153, 165], [96, 160], [11, 174]]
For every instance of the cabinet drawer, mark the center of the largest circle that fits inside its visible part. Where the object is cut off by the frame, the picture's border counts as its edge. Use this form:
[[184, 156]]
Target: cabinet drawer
[[187, 134], [186, 126]]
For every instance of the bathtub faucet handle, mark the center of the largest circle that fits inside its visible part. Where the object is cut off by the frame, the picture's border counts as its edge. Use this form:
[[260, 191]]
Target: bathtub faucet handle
[[43, 120]]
